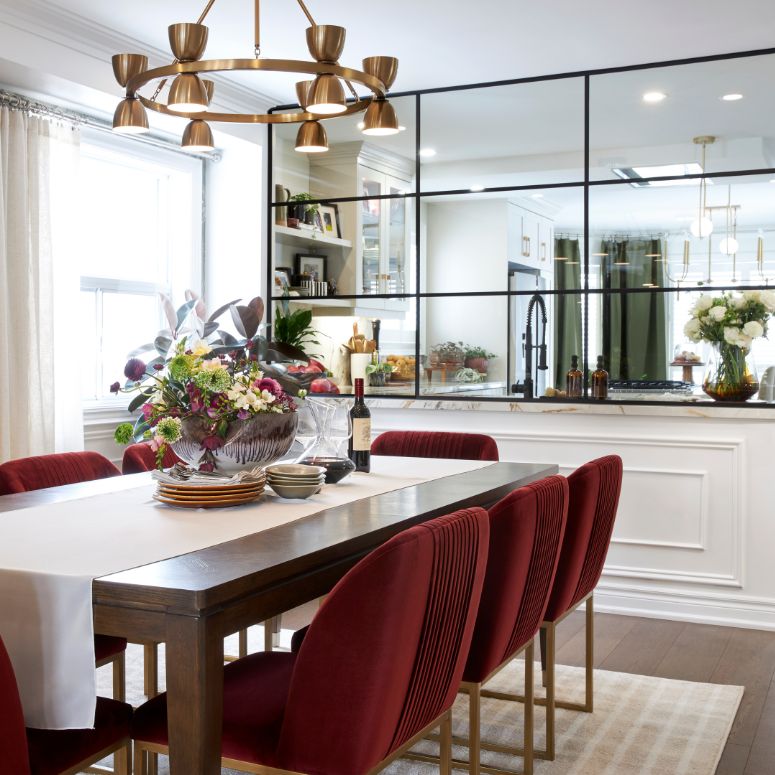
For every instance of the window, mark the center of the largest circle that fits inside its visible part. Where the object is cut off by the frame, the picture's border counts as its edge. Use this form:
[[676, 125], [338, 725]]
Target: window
[[139, 235]]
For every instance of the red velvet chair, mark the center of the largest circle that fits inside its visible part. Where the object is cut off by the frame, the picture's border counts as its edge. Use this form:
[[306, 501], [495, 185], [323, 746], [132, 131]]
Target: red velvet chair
[[56, 752], [354, 697], [37, 473], [526, 532], [438, 444], [594, 491], [140, 457]]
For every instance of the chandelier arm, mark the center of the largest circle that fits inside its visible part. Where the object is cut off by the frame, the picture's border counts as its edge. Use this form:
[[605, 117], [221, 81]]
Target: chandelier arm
[[307, 13], [257, 28], [273, 65], [352, 89], [205, 12]]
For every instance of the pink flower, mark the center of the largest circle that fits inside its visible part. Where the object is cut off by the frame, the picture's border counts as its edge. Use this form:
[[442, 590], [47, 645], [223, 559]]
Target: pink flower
[[134, 369], [243, 414], [271, 385], [156, 442], [147, 411]]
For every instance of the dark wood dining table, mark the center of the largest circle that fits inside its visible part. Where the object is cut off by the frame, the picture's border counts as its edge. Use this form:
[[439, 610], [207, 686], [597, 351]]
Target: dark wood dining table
[[191, 602]]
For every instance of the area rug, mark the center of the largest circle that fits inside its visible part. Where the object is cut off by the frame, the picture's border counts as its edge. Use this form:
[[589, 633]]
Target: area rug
[[641, 725]]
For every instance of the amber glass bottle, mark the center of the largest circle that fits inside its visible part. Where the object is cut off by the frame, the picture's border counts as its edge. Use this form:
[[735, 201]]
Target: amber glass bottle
[[600, 380], [574, 379]]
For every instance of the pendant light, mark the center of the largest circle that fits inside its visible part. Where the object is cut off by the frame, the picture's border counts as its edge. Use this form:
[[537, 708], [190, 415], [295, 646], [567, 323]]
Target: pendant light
[[197, 137], [702, 226], [130, 118], [311, 138]]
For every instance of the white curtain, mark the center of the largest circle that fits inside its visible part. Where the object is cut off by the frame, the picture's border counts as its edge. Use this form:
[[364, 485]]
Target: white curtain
[[39, 386]]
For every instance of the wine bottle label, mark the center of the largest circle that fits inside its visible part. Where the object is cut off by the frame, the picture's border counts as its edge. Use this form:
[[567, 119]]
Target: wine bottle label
[[361, 434]]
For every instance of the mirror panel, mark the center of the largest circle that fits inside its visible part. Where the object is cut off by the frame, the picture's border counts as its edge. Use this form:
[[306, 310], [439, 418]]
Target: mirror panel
[[512, 135]]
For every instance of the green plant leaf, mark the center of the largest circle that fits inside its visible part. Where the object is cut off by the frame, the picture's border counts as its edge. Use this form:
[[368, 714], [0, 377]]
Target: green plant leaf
[[139, 400]]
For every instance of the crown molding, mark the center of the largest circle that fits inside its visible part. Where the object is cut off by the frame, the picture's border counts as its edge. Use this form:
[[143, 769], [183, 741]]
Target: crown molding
[[86, 37]]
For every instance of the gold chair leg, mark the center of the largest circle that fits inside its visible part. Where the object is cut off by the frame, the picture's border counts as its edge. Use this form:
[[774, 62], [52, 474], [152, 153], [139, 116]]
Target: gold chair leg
[[590, 669], [474, 728], [445, 750], [550, 689], [528, 730], [243, 643], [119, 677], [122, 760], [150, 669]]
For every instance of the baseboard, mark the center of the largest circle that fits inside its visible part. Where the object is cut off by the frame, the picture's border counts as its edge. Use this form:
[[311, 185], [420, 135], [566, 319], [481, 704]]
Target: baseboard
[[749, 613]]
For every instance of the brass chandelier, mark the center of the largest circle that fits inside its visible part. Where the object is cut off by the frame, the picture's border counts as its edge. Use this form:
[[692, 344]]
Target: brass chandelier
[[190, 93]]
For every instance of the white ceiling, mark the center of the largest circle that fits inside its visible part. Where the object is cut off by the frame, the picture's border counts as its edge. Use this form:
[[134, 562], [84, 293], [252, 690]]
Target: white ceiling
[[444, 42]]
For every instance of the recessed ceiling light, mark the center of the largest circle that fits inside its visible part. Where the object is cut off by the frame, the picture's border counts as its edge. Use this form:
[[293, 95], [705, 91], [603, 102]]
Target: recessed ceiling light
[[477, 187], [654, 96], [734, 97], [536, 196], [426, 153]]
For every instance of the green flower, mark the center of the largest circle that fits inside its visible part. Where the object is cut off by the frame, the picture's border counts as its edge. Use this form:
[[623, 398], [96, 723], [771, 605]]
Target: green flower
[[124, 433], [169, 429], [180, 367], [216, 381]]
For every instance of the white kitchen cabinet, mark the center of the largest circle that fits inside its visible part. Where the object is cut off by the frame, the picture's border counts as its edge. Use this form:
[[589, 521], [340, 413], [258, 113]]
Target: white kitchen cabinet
[[530, 239]]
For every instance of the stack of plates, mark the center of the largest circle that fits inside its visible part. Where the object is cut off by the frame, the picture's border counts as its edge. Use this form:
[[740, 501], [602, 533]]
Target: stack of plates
[[211, 494], [293, 480]]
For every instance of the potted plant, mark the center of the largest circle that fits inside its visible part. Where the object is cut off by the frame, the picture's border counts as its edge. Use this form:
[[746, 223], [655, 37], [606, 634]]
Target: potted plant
[[294, 328], [477, 358], [449, 354], [379, 373], [299, 207], [205, 392]]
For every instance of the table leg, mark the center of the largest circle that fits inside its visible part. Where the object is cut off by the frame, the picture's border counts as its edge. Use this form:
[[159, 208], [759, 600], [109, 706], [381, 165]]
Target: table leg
[[194, 694]]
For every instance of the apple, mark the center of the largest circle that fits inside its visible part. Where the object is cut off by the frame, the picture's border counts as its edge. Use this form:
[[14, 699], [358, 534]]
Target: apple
[[323, 385], [317, 364]]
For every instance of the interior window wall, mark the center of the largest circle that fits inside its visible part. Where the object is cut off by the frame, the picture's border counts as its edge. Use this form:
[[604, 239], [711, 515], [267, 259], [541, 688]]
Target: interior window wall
[[603, 203]]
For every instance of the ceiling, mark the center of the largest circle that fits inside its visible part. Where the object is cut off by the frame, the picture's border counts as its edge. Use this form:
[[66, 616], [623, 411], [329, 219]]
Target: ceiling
[[443, 42]]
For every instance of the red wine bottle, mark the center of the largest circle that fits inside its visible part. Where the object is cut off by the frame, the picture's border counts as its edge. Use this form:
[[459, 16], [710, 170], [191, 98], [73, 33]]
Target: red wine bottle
[[360, 442]]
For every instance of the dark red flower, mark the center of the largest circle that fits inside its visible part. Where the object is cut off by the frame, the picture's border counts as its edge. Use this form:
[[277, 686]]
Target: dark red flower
[[134, 369], [158, 366], [147, 411], [207, 466], [212, 442], [115, 387]]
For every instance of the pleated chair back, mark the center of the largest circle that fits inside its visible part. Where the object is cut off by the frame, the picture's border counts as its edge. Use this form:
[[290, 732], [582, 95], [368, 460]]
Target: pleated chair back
[[35, 473], [526, 532], [139, 458], [384, 656], [437, 444], [13, 740], [593, 499]]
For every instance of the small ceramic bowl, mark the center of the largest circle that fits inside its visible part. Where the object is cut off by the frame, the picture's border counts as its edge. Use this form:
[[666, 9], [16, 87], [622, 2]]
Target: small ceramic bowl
[[305, 491], [295, 469]]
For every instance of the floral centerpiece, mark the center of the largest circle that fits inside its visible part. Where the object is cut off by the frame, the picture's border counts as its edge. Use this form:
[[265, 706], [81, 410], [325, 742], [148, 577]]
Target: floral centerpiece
[[205, 393], [730, 323]]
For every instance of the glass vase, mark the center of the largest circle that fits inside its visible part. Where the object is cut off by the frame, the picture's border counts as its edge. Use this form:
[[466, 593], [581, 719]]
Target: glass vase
[[330, 420], [730, 374]]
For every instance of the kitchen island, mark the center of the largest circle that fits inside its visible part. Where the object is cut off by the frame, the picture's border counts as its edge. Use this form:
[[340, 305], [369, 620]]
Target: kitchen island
[[696, 525]]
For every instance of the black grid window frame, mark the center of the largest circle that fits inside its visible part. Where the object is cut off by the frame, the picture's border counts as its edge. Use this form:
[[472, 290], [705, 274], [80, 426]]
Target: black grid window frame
[[585, 185]]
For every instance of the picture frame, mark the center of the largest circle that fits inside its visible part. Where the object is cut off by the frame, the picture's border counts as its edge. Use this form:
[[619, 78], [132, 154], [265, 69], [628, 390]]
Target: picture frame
[[329, 215], [282, 280], [306, 263]]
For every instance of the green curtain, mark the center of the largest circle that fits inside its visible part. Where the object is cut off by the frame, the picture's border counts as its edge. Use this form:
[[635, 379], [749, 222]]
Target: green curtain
[[634, 341], [567, 309]]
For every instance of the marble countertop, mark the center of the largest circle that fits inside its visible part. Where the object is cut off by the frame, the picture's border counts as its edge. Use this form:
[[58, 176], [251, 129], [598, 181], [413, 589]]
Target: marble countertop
[[753, 410]]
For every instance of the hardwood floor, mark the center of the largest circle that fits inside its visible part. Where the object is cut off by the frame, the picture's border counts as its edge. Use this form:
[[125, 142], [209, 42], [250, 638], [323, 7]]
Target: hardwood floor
[[692, 652]]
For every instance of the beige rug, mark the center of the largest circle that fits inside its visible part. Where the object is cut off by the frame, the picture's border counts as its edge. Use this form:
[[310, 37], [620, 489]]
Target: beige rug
[[641, 725]]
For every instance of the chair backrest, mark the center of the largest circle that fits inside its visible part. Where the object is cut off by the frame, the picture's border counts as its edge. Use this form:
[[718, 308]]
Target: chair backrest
[[526, 531], [438, 444], [35, 473], [13, 739], [593, 497], [384, 656], [139, 458]]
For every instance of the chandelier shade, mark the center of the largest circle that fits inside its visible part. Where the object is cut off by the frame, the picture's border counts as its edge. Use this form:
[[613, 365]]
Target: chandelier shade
[[130, 118], [197, 137], [320, 96], [380, 119], [187, 94], [311, 138]]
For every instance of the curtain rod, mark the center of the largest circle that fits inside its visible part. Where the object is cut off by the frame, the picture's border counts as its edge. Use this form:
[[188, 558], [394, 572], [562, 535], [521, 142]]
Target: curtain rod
[[15, 101]]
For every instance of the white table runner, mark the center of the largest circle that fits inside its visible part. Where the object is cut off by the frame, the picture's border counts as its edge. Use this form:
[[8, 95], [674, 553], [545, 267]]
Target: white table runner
[[50, 554]]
